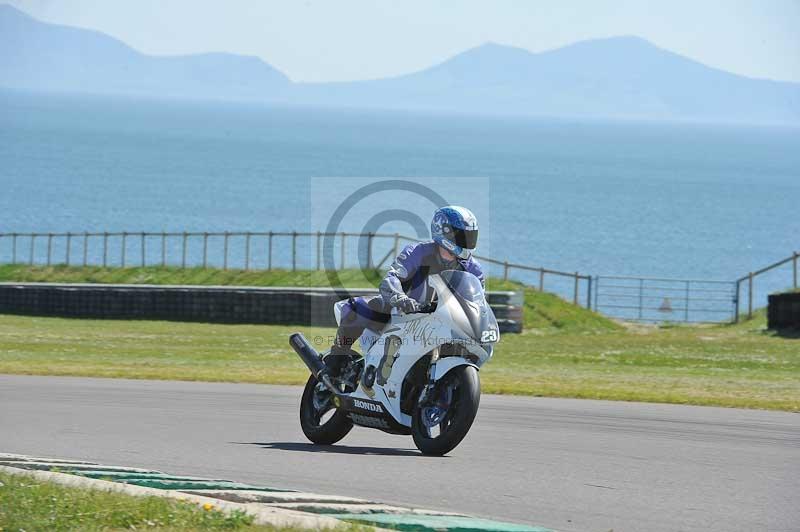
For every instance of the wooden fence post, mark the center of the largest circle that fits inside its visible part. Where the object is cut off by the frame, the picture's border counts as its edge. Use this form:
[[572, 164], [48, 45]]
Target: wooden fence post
[[505, 271], [247, 251], [750, 296], [541, 280], [575, 294], [49, 247], [183, 249], [370, 238], [105, 249], [688, 292], [736, 301], [225, 252], [144, 260], [344, 236], [589, 293], [69, 245], [294, 250], [205, 250], [269, 251], [641, 298], [85, 248], [318, 250], [124, 246]]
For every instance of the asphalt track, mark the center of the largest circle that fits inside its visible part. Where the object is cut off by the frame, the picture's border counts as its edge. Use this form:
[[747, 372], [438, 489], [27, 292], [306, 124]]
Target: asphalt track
[[571, 465]]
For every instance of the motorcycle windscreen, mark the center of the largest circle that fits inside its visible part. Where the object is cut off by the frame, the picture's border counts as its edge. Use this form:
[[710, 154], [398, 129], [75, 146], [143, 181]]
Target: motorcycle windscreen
[[470, 296], [463, 284]]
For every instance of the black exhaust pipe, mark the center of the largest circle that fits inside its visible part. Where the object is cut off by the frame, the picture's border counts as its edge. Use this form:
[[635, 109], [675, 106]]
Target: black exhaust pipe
[[308, 355]]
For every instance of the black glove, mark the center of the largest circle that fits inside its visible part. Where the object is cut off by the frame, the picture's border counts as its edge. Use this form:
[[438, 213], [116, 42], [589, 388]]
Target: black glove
[[405, 304]]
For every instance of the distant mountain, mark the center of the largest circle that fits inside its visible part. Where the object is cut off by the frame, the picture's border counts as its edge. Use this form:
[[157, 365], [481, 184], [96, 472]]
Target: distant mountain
[[35, 55], [621, 77]]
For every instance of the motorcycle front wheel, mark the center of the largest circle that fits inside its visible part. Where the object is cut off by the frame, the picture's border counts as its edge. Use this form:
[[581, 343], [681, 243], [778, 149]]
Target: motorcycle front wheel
[[440, 424], [321, 421]]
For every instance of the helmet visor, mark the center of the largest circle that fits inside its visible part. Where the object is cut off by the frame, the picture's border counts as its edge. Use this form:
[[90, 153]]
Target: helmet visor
[[465, 238]]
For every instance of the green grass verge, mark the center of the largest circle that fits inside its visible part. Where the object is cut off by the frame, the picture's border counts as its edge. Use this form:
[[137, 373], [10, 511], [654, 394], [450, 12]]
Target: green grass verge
[[31, 505], [565, 351], [738, 366], [542, 310]]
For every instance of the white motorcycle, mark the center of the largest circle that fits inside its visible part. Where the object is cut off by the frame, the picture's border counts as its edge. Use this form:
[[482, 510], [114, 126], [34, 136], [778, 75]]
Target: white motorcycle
[[419, 375]]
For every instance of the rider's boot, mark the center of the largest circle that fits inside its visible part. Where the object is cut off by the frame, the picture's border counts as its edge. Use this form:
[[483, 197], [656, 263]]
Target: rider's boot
[[342, 348], [337, 359]]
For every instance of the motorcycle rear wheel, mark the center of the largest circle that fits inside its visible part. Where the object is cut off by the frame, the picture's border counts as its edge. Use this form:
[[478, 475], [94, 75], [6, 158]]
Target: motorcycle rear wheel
[[437, 432], [314, 405]]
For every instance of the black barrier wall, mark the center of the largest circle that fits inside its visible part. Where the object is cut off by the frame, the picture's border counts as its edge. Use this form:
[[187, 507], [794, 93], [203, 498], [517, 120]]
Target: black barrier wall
[[783, 311], [255, 305]]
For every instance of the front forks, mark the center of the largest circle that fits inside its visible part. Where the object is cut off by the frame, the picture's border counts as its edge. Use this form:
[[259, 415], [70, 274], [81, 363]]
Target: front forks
[[428, 388]]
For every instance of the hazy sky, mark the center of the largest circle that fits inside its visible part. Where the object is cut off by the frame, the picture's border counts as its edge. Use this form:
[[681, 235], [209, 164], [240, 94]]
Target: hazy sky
[[317, 40]]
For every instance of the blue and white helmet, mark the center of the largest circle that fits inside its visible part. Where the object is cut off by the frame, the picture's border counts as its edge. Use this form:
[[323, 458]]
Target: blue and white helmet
[[455, 229]]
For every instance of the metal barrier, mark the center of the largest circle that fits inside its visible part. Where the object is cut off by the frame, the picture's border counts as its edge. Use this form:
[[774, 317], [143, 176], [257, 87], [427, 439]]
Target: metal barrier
[[685, 300], [208, 304], [660, 299]]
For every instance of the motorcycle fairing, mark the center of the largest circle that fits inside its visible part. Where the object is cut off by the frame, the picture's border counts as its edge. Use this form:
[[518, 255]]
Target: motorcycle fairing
[[372, 414], [409, 337]]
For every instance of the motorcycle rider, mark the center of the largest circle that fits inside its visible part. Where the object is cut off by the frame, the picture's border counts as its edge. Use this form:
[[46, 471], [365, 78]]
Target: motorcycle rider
[[454, 233]]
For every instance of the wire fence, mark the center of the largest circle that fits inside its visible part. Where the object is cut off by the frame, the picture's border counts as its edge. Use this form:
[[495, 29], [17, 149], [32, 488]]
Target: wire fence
[[249, 250], [651, 299], [693, 300]]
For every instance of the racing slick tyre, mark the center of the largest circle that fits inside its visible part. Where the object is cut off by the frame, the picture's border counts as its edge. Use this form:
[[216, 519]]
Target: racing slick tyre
[[321, 421], [442, 422]]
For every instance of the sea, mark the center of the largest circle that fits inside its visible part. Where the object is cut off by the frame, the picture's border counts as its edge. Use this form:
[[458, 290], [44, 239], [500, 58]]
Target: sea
[[662, 200]]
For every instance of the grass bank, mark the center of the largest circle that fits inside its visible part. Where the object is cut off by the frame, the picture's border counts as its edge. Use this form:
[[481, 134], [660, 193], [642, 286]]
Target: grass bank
[[33, 505], [565, 351]]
